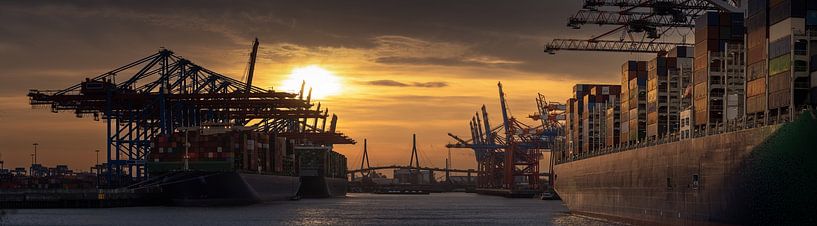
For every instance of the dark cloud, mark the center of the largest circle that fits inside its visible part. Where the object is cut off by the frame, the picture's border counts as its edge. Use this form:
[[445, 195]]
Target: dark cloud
[[66, 34], [431, 84], [422, 61], [387, 82], [54, 44]]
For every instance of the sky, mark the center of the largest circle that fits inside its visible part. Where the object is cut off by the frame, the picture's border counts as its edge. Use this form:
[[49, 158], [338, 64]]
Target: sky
[[403, 67]]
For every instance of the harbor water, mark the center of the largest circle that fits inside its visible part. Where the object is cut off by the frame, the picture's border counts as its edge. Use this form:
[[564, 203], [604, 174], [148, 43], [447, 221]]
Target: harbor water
[[355, 209]]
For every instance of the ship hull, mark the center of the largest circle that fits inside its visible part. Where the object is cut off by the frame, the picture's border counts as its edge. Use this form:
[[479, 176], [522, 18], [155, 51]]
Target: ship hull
[[323, 187], [199, 188], [765, 175], [270, 187]]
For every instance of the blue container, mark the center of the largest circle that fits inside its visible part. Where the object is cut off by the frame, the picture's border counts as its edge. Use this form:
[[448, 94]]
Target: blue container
[[813, 95], [811, 16], [737, 17], [725, 33], [787, 9], [813, 66], [780, 47], [722, 45], [757, 6], [737, 33], [713, 19]]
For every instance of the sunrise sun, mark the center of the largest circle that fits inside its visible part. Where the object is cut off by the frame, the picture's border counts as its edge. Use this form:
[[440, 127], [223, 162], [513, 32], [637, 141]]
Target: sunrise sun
[[323, 82]]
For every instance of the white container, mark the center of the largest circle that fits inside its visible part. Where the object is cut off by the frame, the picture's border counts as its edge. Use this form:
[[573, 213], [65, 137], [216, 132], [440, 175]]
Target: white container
[[786, 27]]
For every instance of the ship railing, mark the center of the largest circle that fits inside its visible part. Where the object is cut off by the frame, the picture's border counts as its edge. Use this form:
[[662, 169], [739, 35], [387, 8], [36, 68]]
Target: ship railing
[[735, 125]]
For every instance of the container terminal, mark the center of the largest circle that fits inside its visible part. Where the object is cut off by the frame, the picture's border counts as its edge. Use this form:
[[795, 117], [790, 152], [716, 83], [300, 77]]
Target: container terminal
[[191, 136], [507, 155], [716, 129]]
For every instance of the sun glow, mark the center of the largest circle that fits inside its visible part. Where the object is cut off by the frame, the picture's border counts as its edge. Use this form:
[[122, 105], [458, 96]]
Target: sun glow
[[323, 82]]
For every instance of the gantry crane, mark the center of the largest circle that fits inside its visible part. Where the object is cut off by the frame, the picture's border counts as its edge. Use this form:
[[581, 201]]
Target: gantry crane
[[507, 155], [609, 46], [552, 116], [163, 92], [651, 18]]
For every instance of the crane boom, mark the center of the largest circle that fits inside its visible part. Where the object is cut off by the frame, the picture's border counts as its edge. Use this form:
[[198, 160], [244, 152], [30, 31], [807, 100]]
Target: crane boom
[[676, 4], [251, 67], [609, 46], [505, 120], [619, 18]]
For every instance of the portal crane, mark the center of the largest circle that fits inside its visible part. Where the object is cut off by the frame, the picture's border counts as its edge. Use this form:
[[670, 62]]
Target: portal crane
[[507, 155], [663, 16], [166, 92]]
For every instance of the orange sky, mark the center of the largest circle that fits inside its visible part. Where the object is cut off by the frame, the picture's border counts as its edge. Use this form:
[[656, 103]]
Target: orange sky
[[421, 68]]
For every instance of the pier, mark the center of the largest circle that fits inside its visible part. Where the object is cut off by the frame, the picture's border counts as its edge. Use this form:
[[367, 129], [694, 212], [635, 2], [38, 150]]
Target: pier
[[76, 198]]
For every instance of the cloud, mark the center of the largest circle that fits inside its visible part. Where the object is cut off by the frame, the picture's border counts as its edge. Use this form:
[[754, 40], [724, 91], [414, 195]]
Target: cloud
[[423, 61], [393, 83], [392, 50], [387, 83], [431, 84], [403, 50], [424, 42]]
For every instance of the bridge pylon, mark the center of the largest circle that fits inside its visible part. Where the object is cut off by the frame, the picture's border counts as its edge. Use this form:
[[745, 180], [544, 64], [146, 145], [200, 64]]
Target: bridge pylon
[[365, 160]]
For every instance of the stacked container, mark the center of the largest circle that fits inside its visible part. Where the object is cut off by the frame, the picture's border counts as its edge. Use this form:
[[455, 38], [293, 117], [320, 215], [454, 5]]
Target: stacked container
[[789, 77], [779, 78], [577, 120], [657, 95], [613, 122], [680, 84], [756, 55], [811, 25], [595, 106], [337, 165], [718, 74], [633, 101], [320, 161], [204, 152], [570, 118], [668, 76], [576, 115], [230, 150]]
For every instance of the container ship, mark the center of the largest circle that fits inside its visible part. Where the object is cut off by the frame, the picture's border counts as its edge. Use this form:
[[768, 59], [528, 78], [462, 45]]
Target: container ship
[[722, 132], [200, 137], [233, 165]]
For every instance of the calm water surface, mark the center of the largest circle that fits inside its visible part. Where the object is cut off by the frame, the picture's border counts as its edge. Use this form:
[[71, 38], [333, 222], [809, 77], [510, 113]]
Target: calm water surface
[[356, 209]]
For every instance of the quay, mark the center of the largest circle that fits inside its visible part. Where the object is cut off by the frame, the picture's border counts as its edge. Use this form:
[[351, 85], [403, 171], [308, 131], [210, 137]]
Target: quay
[[76, 198]]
